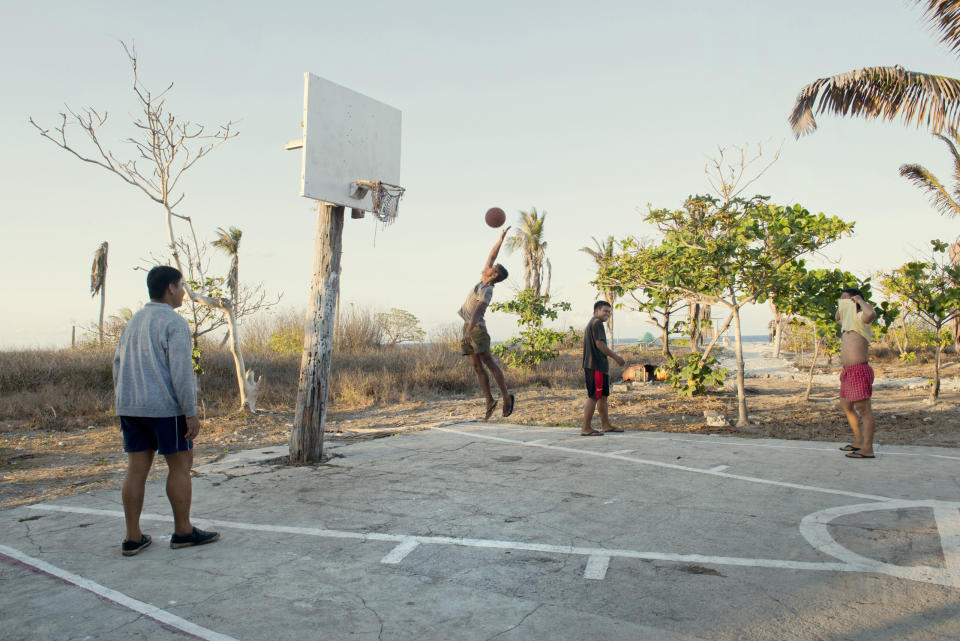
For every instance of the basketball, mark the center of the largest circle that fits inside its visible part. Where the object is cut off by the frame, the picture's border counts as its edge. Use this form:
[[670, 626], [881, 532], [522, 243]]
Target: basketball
[[495, 217]]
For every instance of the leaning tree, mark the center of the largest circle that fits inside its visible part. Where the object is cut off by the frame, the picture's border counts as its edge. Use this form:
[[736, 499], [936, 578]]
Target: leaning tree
[[165, 149]]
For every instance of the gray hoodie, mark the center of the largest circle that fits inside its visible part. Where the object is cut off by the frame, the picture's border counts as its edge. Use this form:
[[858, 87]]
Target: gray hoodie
[[153, 368]]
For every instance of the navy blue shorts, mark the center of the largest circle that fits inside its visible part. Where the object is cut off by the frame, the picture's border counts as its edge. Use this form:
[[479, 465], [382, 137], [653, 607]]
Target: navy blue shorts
[[164, 435], [598, 383]]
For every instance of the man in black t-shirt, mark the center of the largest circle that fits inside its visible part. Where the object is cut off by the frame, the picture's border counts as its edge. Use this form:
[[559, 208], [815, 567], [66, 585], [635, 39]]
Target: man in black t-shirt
[[596, 369]]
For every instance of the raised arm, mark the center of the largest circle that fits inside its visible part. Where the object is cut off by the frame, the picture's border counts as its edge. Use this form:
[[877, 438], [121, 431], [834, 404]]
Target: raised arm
[[496, 248], [867, 313]]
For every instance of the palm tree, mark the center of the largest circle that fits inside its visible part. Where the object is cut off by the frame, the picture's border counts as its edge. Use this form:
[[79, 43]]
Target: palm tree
[[98, 281], [943, 200], [604, 256], [528, 238], [229, 241], [887, 92]]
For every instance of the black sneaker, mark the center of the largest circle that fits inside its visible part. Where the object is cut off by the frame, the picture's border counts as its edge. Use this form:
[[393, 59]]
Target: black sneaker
[[197, 537], [130, 548]]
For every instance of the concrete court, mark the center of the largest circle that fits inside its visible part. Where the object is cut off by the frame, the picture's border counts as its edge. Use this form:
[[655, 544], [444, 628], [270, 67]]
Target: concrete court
[[482, 531]]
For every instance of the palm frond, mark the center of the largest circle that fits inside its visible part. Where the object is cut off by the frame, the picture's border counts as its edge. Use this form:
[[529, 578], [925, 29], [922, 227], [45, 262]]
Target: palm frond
[[944, 17], [956, 156], [939, 196], [880, 92], [228, 239]]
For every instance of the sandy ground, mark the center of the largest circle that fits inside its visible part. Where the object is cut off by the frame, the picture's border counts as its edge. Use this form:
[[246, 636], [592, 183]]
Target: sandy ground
[[38, 464]]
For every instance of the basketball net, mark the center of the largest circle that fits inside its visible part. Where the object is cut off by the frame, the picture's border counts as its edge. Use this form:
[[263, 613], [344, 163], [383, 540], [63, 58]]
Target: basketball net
[[385, 198]]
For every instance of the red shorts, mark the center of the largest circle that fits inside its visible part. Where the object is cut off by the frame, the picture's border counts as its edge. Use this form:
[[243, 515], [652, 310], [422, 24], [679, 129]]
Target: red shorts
[[856, 382]]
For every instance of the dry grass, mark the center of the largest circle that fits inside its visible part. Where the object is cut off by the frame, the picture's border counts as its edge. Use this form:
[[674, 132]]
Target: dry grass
[[64, 389]]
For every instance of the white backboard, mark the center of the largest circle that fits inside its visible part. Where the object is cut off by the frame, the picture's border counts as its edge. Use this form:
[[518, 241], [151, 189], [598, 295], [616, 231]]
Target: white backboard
[[346, 137]]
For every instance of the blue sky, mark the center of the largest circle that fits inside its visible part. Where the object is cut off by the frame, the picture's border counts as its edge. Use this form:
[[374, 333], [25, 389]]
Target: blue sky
[[586, 111]]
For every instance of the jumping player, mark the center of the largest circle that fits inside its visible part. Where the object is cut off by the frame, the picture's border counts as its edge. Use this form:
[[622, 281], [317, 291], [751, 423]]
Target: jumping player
[[856, 380], [476, 340], [596, 369]]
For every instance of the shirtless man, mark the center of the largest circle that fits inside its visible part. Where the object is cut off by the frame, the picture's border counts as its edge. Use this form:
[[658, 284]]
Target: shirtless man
[[475, 340], [856, 380]]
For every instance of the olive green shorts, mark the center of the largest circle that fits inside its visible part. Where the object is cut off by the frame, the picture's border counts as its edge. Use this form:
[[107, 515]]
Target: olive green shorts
[[479, 341]]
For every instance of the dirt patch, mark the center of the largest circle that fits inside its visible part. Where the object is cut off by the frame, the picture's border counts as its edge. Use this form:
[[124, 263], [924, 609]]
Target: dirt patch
[[38, 464]]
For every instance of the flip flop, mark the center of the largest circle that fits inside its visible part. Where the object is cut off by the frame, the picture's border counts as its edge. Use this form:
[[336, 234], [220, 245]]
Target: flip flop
[[490, 409], [593, 433], [859, 455], [849, 448], [508, 406], [616, 429]]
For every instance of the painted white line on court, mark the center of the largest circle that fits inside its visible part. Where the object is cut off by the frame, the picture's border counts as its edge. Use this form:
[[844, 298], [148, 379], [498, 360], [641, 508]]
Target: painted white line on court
[[830, 448], [814, 526], [948, 523], [400, 552], [670, 466], [596, 568], [493, 544], [623, 451], [719, 468], [164, 618]]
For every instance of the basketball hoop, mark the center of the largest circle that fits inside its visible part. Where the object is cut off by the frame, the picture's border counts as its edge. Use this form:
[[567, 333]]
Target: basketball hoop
[[385, 198]]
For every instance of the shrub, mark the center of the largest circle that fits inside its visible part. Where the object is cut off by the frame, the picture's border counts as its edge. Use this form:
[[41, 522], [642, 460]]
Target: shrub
[[690, 377]]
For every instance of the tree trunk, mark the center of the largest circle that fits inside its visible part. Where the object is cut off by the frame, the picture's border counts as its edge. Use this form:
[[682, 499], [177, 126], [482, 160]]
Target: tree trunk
[[103, 302], [778, 332], [935, 390], [742, 419], [665, 347], [723, 328], [816, 350], [249, 386], [693, 319], [306, 437]]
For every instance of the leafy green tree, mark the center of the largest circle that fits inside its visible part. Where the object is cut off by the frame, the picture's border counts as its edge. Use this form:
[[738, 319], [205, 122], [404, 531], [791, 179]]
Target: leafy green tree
[[931, 290], [535, 343], [887, 92], [634, 272], [945, 200], [813, 296], [733, 253], [399, 325]]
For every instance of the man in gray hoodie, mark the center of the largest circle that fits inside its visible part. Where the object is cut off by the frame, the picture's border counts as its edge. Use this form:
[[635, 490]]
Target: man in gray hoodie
[[157, 405]]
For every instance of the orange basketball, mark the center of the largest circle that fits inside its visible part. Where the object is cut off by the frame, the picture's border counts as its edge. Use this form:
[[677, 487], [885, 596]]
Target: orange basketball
[[495, 217]]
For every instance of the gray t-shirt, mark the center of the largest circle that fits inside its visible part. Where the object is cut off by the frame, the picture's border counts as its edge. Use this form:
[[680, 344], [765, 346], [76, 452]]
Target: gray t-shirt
[[153, 368], [479, 294]]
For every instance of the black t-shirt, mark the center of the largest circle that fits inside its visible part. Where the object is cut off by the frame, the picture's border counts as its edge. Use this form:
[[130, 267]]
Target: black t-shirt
[[593, 358]]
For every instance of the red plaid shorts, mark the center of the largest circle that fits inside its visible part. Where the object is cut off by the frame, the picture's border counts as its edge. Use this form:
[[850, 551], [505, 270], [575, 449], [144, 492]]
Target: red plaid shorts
[[856, 382]]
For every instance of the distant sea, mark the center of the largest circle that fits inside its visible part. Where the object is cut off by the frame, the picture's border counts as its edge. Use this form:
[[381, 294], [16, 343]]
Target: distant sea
[[748, 338]]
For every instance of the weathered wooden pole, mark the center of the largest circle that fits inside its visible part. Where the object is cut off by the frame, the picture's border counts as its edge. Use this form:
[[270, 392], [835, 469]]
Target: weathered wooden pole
[[306, 437]]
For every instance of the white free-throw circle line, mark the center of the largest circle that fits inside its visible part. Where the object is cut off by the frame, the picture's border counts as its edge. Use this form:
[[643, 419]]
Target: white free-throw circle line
[[814, 528]]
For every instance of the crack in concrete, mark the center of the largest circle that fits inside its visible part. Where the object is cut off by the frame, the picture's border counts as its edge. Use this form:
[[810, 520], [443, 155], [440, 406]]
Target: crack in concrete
[[363, 602], [518, 624], [29, 535]]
